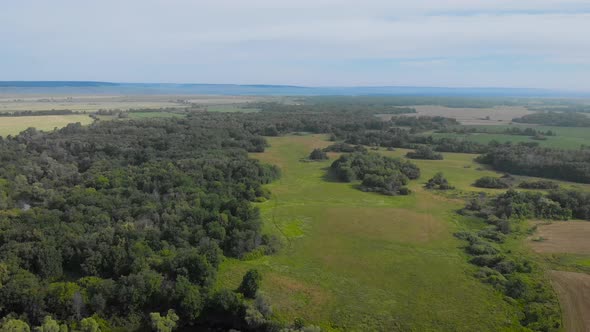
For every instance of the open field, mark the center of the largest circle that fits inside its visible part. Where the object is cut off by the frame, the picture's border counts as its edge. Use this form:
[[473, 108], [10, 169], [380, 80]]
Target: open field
[[27, 102], [14, 125], [562, 237], [573, 290], [364, 262], [474, 116], [144, 115], [567, 137]]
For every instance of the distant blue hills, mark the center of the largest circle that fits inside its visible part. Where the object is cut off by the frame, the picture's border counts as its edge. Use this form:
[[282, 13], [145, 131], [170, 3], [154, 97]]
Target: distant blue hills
[[90, 87]]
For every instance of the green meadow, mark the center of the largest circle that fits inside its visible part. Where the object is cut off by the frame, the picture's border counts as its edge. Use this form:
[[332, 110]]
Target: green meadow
[[567, 137], [360, 261]]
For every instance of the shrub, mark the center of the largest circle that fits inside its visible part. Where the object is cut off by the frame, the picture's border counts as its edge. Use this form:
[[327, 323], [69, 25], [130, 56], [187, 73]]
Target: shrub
[[424, 152], [318, 154], [250, 283], [491, 182], [439, 182]]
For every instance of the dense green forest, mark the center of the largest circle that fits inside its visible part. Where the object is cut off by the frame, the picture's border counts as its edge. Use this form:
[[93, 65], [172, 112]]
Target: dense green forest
[[564, 119], [531, 160], [124, 218]]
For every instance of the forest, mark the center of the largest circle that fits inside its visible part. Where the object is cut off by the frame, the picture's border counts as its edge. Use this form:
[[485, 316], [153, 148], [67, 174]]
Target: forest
[[115, 221], [564, 119], [531, 160]]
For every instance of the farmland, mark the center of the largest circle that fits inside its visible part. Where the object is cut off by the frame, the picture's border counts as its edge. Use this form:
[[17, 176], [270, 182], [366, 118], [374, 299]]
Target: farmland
[[14, 125], [364, 261], [566, 138]]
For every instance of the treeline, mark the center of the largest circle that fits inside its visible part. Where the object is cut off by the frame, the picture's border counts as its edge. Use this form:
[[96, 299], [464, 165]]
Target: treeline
[[517, 131], [418, 123], [377, 173], [452, 102], [40, 113], [531, 160], [368, 108], [565, 119], [120, 219]]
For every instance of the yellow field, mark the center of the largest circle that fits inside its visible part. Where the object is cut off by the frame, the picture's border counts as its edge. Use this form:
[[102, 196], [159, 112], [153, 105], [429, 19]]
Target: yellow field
[[14, 125]]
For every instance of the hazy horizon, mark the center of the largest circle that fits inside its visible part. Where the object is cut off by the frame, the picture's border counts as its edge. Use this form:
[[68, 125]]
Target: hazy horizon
[[325, 43]]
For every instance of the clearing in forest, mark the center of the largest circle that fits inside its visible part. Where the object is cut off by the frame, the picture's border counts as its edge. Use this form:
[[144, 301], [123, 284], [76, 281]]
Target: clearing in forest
[[12, 125], [361, 261]]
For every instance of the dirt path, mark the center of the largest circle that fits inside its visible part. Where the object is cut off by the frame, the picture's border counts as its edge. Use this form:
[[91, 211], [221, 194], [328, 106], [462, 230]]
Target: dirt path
[[573, 290]]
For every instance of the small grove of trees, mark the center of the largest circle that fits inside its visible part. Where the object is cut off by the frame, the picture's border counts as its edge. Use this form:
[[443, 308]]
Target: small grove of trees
[[491, 182], [424, 152], [438, 181], [318, 154], [531, 160], [376, 172], [563, 119]]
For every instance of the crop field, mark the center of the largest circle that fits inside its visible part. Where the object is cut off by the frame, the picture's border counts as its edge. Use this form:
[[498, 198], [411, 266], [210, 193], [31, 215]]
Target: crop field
[[566, 137], [474, 116], [14, 125], [368, 261], [562, 237], [573, 290], [564, 246], [91, 103]]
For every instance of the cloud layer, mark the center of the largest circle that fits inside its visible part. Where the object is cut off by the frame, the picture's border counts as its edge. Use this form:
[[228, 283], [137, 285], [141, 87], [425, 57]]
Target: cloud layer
[[532, 43]]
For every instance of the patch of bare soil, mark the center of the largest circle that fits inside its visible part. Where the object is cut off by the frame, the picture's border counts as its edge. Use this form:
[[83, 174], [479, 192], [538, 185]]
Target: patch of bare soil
[[573, 290], [568, 237]]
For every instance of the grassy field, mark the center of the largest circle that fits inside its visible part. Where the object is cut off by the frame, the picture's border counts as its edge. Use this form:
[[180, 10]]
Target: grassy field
[[475, 116], [366, 262], [14, 125], [90, 103], [567, 137], [144, 115]]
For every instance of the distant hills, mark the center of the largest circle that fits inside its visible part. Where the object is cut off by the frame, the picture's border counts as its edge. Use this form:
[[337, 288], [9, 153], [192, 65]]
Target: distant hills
[[90, 87]]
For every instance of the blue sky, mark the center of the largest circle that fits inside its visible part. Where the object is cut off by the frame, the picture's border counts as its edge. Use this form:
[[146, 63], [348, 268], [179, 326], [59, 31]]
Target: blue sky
[[456, 43]]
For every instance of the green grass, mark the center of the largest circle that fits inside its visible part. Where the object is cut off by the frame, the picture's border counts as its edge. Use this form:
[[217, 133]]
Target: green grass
[[367, 262], [16, 124], [567, 137]]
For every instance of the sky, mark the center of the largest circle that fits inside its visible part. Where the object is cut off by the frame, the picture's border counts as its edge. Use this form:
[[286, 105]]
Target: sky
[[434, 43]]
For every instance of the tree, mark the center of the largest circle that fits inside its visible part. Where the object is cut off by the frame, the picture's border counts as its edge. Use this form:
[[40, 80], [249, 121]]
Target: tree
[[89, 325], [14, 325], [164, 324], [250, 283], [438, 181], [318, 154], [51, 325], [189, 298], [424, 152], [491, 182]]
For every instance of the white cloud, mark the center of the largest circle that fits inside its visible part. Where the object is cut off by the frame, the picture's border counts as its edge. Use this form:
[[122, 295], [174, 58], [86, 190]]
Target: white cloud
[[125, 37]]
